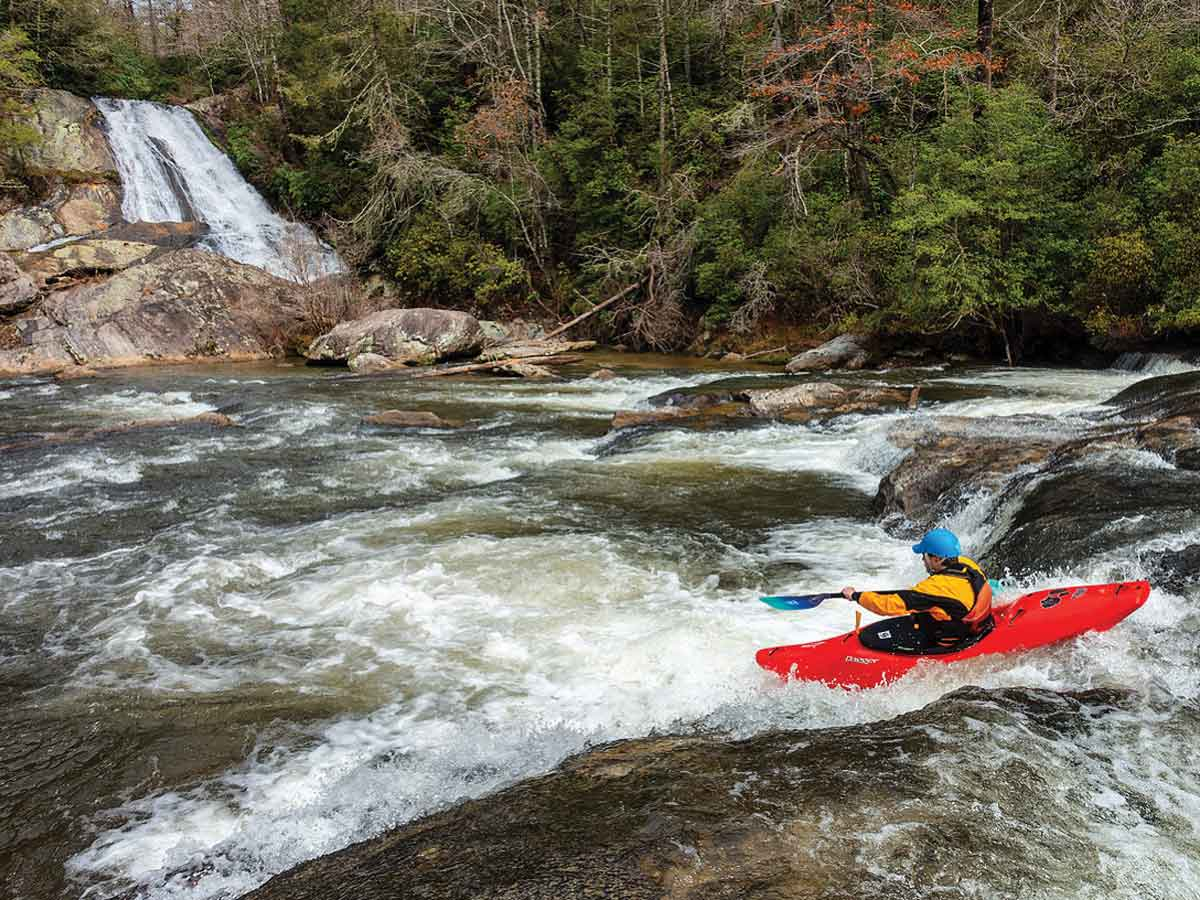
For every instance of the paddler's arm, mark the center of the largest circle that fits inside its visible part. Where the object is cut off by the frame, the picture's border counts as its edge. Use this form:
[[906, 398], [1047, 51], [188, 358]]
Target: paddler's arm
[[884, 604]]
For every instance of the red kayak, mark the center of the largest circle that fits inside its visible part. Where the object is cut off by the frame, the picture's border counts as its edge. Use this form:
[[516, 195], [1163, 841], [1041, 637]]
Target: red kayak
[[1033, 620]]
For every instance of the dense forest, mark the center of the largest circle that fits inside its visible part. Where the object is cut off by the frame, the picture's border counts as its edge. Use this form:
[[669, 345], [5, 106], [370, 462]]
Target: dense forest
[[1013, 173]]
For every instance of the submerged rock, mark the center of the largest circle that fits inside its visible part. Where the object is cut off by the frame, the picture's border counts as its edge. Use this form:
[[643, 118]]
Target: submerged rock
[[693, 416], [860, 811], [846, 351], [403, 418], [89, 435], [404, 336]]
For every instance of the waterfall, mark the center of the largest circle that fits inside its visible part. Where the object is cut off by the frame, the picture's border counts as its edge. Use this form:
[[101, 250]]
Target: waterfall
[[171, 172]]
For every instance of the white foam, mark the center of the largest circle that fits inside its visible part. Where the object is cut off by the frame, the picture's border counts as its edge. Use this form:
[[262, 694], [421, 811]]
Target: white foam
[[491, 639]]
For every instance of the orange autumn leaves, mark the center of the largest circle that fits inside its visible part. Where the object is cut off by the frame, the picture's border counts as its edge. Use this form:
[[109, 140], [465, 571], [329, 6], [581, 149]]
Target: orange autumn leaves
[[866, 53]]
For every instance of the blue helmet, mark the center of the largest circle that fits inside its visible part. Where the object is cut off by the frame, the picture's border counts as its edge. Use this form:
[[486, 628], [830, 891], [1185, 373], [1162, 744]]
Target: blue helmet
[[939, 542]]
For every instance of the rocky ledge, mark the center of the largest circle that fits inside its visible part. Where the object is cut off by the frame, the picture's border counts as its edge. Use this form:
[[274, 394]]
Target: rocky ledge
[[839, 813], [177, 306]]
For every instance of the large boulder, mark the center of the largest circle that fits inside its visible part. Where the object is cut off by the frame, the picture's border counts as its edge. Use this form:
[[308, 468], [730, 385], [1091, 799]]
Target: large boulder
[[405, 336], [17, 290], [181, 306], [846, 351], [72, 145]]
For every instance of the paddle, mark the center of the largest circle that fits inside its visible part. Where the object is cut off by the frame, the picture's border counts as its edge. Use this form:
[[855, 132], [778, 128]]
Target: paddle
[[789, 603]]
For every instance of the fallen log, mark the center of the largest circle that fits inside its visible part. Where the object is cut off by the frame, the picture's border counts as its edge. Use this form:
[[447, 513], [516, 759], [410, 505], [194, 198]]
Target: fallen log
[[559, 360], [591, 312]]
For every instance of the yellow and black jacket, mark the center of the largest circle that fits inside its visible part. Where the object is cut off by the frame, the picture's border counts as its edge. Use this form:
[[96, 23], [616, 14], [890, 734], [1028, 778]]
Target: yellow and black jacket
[[959, 593]]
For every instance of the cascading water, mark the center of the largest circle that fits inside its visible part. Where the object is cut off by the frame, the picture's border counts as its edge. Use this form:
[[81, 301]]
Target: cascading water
[[226, 651], [171, 172]]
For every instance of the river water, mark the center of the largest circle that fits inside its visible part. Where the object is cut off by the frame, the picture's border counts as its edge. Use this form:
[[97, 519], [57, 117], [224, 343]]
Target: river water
[[224, 651]]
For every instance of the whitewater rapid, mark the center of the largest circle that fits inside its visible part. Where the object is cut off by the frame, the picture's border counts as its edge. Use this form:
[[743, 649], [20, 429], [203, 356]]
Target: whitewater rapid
[[431, 616]]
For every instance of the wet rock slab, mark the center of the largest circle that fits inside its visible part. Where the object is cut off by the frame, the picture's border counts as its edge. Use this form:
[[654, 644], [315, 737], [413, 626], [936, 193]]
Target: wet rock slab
[[865, 811], [181, 306]]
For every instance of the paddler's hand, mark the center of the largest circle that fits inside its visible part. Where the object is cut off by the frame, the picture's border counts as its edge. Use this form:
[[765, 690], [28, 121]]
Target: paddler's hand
[[848, 593]]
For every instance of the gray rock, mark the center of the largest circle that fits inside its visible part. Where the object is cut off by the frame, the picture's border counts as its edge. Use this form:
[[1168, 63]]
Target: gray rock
[[366, 363], [72, 147], [181, 306], [17, 290], [846, 351], [405, 336], [510, 332], [70, 210], [804, 400]]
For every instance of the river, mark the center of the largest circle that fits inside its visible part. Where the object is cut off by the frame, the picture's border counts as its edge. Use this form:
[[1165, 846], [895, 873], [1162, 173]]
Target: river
[[225, 651]]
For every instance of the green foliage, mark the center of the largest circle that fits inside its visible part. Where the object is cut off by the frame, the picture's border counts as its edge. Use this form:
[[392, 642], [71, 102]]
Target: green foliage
[[242, 149], [902, 195], [436, 267], [18, 71], [83, 49], [990, 228], [1172, 196]]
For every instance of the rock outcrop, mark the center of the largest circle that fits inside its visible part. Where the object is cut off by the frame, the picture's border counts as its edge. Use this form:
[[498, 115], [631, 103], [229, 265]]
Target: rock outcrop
[[17, 290], [783, 815], [1055, 486], [847, 351], [111, 251], [403, 336], [72, 146], [74, 159], [69, 210], [181, 306]]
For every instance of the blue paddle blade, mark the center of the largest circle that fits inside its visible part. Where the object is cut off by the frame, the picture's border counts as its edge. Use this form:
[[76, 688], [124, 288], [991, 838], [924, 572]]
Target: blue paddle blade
[[791, 603]]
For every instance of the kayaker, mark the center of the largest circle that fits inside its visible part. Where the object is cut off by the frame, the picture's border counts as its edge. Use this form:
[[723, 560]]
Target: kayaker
[[949, 610]]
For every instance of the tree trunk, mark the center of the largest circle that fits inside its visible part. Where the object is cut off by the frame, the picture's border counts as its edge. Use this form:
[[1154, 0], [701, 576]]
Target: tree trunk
[[608, 48], [660, 6], [1054, 49], [153, 23], [984, 40]]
